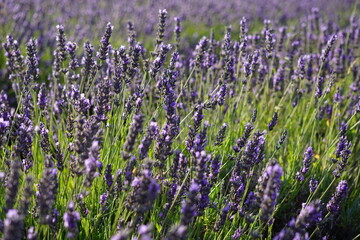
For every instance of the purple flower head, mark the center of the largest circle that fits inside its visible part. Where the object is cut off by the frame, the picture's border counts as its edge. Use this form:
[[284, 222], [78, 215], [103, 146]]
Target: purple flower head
[[333, 205], [143, 192], [189, 207], [13, 225], [273, 174], [313, 184], [71, 219], [237, 234], [103, 52], [273, 121], [308, 154]]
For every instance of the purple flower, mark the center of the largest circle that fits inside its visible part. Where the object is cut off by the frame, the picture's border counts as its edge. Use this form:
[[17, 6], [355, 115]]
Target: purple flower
[[161, 26], [12, 183], [297, 228], [143, 192], [272, 175], [333, 205], [151, 134], [273, 121], [189, 207], [103, 52], [13, 225], [71, 218], [237, 234], [46, 195], [313, 184], [308, 154]]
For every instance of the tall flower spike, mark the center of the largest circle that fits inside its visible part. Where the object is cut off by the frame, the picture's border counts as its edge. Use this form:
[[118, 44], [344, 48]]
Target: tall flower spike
[[46, 195], [221, 135], [296, 228], [103, 51], [177, 31], [151, 134], [71, 218], [143, 192], [308, 154], [13, 225], [273, 172], [273, 121], [32, 61], [189, 207], [12, 183], [333, 205], [161, 27], [135, 129]]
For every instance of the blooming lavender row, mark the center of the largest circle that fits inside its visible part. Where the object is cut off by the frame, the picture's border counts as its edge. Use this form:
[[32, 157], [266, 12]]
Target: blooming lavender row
[[161, 134]]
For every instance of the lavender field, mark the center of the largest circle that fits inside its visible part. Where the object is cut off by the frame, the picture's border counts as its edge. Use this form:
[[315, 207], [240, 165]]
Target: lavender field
[[179, 119]]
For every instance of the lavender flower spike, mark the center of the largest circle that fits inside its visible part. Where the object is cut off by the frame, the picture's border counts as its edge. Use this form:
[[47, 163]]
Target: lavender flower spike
[[308, 154], [274, 172], [333, 205], [71, 218]]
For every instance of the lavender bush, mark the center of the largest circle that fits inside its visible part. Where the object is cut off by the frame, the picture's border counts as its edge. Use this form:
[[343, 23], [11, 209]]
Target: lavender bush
[[179, 119]]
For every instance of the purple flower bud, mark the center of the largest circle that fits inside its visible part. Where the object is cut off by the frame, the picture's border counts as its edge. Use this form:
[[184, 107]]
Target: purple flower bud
[[308, 154], [71, 218], [273, 121], [13, 225], [333, 205]]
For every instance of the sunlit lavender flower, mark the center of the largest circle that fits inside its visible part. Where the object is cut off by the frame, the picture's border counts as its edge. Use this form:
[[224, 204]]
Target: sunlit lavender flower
[[296, 228], [70, 48], [151, 134], [32, 62], [143, 192], [240, 143], [13, 225], [71, 218], [319, 87], [92, 164], [42, 98], [221, 135], [237, 234], [221, 221], [61, 43], [200, 52], [333, 205], [27, 195], [12, 183], [343, 151], [281, 140], [189, 207], [269, 41], [159, 60], [161, 26], [177, 31], [273, 173], [108, 177], [135, 129], [44, 133], [329, 46], [88, 63], [273, 121], [103, 51], [308, 154], [254, 150], [177, 232], [103, 96], [313, 184], [145, 232], [46, 195], [31, 233]]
